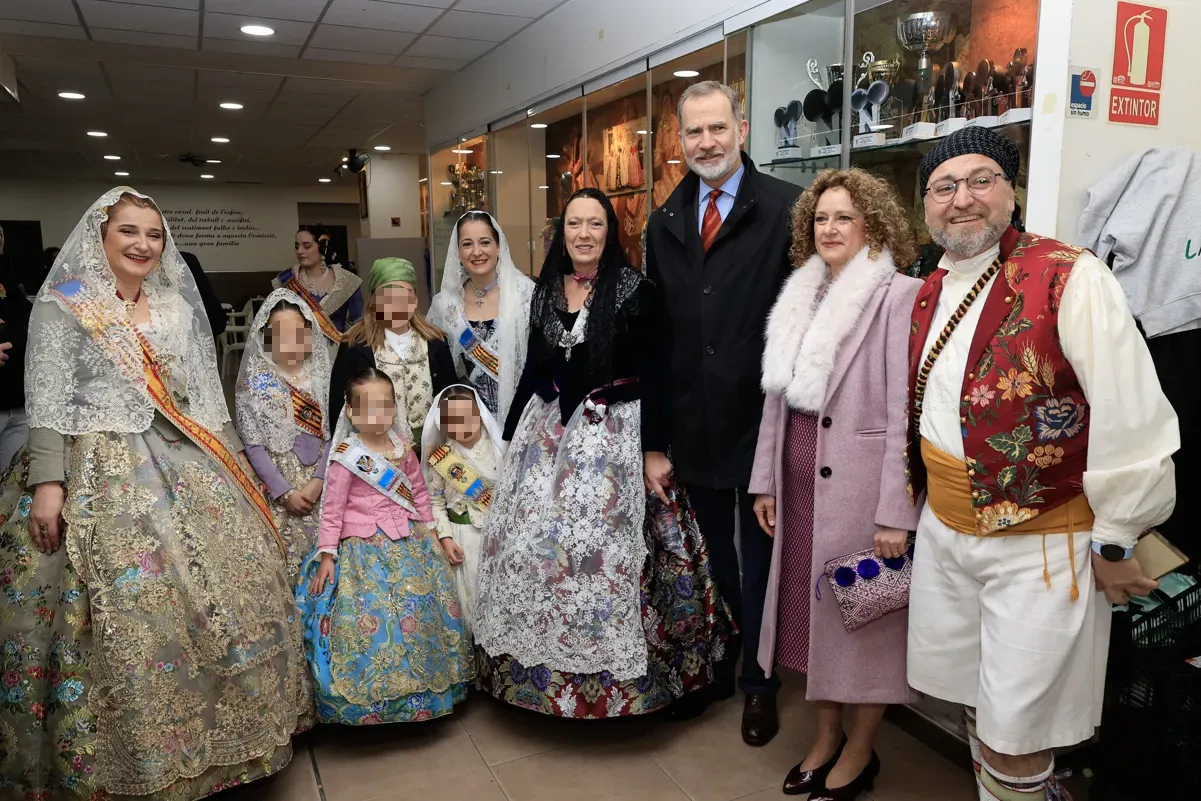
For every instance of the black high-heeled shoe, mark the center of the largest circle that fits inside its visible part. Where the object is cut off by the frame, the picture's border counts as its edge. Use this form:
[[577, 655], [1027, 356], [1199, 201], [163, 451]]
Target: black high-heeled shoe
[[864, 782], [799, 782]]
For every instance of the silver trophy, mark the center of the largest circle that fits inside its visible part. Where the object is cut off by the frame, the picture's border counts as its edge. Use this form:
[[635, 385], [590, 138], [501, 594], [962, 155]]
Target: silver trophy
[[924, 33]]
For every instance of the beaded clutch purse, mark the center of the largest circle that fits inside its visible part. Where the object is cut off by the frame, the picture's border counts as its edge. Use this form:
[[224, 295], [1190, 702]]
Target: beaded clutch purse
[[867, 587]]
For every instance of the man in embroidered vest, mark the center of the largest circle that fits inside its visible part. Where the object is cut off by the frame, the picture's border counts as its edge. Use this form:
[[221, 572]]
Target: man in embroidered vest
[[1043, 442]]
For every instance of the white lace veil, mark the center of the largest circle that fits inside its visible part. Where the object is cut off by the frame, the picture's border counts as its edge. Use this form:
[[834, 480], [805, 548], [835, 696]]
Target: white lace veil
[[84, 376], [262, 398], [432, 436], [513, 316]]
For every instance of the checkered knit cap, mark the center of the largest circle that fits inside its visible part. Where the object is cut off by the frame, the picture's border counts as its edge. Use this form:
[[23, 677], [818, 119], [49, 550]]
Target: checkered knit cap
[[983, 141]]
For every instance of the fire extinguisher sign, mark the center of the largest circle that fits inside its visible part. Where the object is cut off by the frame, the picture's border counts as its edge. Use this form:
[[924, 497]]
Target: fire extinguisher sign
[[1137, 75]]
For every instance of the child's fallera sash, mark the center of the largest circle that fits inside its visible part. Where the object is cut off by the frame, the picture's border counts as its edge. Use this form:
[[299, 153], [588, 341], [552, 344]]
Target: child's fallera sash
[[384, 477], [457, 473], [476, 352], [306, 412]]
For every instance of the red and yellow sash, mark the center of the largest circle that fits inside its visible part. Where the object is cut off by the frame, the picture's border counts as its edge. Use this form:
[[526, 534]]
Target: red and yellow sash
[[327, 325], [160, 395], [306, 413]]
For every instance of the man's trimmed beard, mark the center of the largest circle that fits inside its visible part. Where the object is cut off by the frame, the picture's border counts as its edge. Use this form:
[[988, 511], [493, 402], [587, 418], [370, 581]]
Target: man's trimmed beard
[[711, 172], [969, 244]]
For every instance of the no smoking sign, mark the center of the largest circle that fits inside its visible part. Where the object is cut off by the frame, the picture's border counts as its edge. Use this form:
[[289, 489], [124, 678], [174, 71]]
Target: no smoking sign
[[1084, 85]]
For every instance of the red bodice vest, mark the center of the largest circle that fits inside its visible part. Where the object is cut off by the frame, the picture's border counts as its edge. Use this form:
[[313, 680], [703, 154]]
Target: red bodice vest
[[1023, 413]]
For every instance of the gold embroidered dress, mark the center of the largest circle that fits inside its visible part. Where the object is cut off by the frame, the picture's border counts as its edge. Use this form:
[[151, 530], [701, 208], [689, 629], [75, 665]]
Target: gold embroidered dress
[[156, 653]]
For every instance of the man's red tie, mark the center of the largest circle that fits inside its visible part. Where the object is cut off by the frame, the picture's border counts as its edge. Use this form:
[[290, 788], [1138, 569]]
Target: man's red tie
[[712, 221]]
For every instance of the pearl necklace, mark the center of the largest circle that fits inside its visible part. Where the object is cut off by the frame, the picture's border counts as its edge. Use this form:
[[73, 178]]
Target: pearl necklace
[[302, 274]]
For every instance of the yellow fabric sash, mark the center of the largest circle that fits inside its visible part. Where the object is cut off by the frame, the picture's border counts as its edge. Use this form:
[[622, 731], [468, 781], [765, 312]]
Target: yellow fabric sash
[[949, 493], [160, 395], [327, 325], [476, 489]]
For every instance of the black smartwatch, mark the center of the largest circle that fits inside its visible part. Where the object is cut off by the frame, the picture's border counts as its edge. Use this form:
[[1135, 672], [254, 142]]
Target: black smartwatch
[[1112, 553]]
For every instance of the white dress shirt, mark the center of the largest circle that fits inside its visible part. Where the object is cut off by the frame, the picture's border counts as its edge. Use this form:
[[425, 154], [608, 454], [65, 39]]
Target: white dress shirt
[[1129, 479]]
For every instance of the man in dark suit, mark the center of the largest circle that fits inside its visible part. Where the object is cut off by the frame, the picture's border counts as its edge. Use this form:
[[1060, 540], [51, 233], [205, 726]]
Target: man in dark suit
[[718, 253]]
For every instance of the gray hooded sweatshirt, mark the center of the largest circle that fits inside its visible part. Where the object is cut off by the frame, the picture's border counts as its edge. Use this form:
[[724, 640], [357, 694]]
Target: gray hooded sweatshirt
[[1147, 214]]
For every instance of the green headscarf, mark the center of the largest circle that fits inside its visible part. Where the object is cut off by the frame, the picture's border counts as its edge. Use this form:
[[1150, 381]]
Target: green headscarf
[[389, 270]]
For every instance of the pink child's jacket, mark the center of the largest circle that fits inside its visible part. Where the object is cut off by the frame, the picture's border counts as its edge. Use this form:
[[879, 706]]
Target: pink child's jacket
[[353, 508]]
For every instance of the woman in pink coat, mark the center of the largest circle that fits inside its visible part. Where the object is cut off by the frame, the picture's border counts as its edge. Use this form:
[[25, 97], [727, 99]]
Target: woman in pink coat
[[829, 470]]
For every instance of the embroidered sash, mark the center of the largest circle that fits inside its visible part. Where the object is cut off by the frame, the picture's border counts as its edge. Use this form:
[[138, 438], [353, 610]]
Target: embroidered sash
[[95, 318], [328, 328], [478, 353], [381, 474], [306, 412], [476, 489]]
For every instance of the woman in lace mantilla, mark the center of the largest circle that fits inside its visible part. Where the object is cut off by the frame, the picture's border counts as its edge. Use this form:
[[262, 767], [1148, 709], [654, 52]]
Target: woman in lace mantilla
[[591, 603], [332, 292], [484, 308], [151, 647]]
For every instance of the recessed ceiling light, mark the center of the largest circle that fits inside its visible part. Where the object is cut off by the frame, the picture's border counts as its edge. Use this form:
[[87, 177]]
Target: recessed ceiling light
[[212, 161], [221, 140], [97, 133], [552, 155], [121, 174], [112, 158], [345, 159], [258, 30], [382, 147], [544, 187], [231, 106], [685, 73], [206, 175], [538, 125], [673, 161], [71, 95], [447, 183], [324, 180]]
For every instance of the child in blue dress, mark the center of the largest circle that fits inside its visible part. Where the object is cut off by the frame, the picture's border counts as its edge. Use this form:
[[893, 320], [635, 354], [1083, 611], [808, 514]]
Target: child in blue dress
[[384, 633]]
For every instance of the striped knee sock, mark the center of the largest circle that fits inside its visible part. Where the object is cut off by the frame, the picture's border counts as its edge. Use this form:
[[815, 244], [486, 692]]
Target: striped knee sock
[[996, 786]]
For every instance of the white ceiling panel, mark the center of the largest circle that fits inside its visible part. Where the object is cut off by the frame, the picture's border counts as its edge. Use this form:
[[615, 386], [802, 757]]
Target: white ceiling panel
[[428, 3], [227, 26], [212, 79], [336, 37], [302, 10], [149, 19], [55, 11], [41, 29], [144, 38], [251, 48], [137, 74], [447, 47], [474, 25], [320, 86], [189, 5], [518, 8], [31, 68], [349, 56], [377, 15], [425, 63]]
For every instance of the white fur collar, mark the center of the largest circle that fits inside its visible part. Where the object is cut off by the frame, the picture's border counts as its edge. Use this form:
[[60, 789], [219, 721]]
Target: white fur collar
[[803, 336]]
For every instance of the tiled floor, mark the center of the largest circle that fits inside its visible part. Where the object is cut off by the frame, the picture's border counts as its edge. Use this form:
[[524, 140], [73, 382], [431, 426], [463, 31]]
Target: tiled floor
[[492, 752]]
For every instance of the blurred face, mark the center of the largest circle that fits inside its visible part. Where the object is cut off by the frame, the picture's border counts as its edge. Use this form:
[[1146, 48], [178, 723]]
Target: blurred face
[[461, 420], [372, 408], [585, 226], [291, 338], [133, 242], [478, 249], [839, 229], [970, 222], [395, 305], [711, 138], [307, 252]]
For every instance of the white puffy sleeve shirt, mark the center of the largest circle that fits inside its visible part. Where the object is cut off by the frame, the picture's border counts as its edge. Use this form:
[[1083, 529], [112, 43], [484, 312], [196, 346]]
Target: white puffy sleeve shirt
[[1133, 430]]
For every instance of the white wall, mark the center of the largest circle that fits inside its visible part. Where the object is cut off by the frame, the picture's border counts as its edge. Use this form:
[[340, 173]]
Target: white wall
[[393, 191], [577, 40], [1094, 147], [245, 229]]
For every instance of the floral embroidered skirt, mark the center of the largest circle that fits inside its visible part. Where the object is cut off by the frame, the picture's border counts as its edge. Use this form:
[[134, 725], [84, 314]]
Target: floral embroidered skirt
[[681, 623], [299, 533], [386, 642], [158, 653]]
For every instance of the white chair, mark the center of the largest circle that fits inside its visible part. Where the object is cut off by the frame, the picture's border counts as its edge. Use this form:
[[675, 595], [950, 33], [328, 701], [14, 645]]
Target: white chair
[[237, 329]]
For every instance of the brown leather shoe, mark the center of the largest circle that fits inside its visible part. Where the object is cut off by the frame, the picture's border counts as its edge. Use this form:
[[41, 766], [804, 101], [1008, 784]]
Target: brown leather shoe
[[760, 722]]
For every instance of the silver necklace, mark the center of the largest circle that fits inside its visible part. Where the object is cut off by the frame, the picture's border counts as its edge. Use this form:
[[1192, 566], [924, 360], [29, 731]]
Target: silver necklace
[[304, 277], [480, 294]]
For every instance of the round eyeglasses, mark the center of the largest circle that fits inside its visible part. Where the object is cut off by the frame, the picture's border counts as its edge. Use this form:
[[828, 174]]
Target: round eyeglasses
[[979, 183]]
